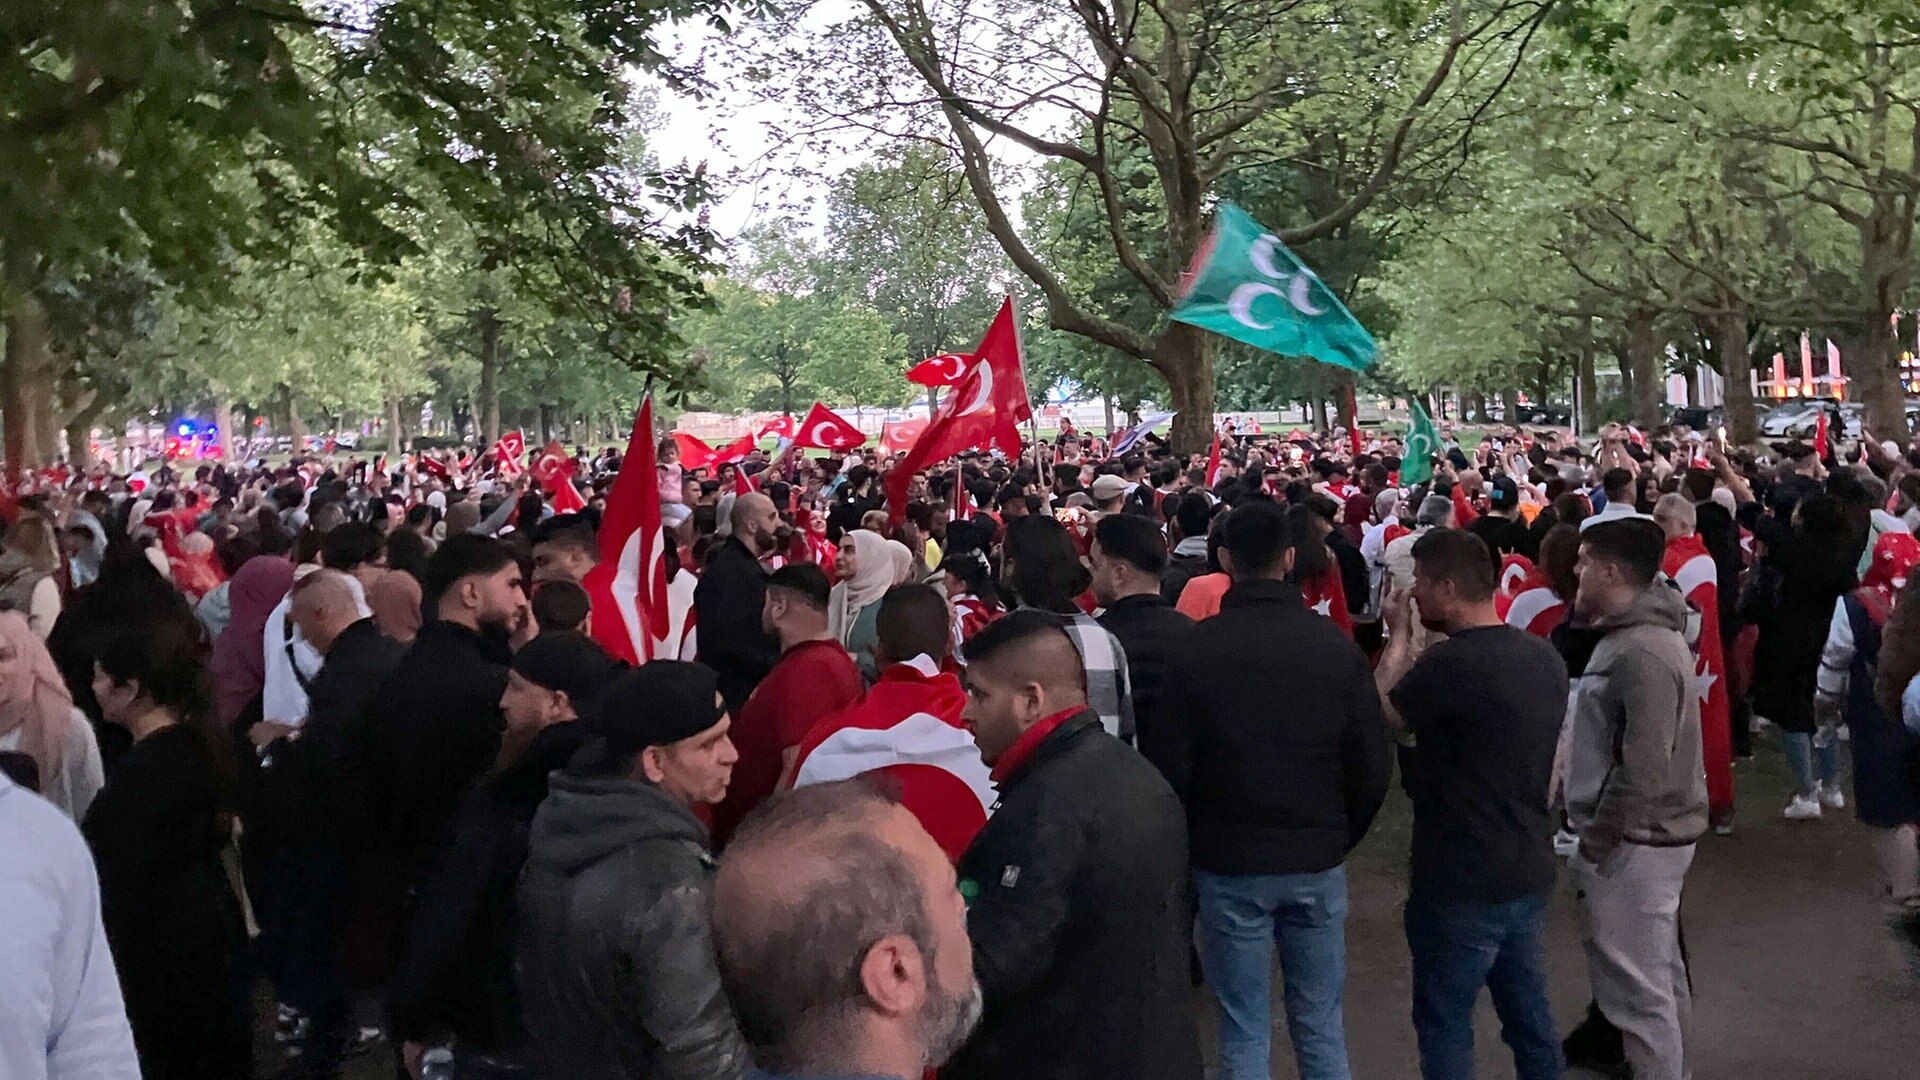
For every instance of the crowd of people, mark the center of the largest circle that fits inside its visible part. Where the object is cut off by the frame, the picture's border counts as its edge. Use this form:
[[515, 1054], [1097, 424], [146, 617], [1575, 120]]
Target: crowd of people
[[1008, 780]]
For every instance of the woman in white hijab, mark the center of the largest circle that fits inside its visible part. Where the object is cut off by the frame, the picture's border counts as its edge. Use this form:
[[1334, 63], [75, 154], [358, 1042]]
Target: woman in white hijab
[[868, 565]]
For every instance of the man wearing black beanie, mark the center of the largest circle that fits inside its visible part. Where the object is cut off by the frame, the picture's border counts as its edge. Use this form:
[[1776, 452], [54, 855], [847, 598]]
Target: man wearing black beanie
[[616, 969]]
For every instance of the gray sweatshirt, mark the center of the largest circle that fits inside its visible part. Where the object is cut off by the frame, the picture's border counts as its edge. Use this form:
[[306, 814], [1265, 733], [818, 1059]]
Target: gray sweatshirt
[[1634, 773]]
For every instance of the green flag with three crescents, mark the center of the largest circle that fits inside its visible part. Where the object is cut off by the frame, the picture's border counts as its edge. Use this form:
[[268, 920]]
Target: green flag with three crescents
[[1245, 284]]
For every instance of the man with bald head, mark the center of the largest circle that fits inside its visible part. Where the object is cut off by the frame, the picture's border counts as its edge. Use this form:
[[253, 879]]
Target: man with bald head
[[731, 594], [842, 938], [1077, 885], [314, 792]]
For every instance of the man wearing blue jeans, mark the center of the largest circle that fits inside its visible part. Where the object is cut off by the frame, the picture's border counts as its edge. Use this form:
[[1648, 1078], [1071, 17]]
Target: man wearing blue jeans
[[1282, 763], [1478, 776]]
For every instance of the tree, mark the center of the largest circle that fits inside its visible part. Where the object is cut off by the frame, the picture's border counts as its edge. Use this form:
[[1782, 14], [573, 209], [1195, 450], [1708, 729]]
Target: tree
[[1154, 105]]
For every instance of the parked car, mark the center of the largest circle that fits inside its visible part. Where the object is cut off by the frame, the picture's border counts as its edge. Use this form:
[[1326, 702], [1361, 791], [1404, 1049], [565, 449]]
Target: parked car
[[1786, 421]]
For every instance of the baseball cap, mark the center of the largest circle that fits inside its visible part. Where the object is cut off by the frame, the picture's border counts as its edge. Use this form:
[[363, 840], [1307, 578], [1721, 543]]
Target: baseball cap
[[1503, 492], [1108, 486], [568, 662], [656, 704]]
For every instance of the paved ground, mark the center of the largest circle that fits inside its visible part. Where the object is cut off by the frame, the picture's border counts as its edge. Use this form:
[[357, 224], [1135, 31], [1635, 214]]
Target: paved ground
[[1795, 973], [1796, 976]]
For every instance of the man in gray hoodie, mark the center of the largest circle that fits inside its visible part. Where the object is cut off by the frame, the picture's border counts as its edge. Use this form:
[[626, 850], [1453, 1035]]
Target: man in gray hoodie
[[616, 969], [1636, 791]]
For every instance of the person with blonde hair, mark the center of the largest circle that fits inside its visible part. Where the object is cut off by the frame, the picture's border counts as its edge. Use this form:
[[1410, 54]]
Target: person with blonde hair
[[38, 719], [30, 573]]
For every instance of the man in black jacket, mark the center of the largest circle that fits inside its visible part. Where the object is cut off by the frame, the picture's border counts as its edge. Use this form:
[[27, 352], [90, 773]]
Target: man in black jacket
[[615, 969], [434, 726], [731, 593], [1188, 558], [1282, 775], [313, 795], [1078, 884], [1128, 556]]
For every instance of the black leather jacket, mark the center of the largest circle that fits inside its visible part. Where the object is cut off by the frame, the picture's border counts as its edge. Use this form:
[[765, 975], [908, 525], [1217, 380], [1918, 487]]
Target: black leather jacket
[[617, 976]]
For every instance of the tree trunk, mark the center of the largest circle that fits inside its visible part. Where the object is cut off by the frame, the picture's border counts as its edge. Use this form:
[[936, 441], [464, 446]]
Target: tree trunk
[[1184, 358], [1510, 404], [546, 423], [25, 360], [1107, 401], [1736, 362], [489, 390], [1643, 358], [1588, 386], [1473, 408], [296, 427], [1884, 250], [80, 433], [396, 432], [1318, 410], [223, 422]]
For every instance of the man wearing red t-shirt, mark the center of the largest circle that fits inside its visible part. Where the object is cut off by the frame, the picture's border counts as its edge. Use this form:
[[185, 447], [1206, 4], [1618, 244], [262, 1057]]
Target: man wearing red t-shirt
[[909, 727], [813, 677]]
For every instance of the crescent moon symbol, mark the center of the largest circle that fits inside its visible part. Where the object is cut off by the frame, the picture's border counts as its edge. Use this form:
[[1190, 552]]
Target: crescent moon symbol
[[1300, 296], [1240, 303], [814, 434], [1260, 254], [982, 395], [959, 366]]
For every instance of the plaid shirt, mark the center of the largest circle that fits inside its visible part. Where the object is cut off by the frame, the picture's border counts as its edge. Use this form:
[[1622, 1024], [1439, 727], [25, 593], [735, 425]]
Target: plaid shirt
[[1109, 692]]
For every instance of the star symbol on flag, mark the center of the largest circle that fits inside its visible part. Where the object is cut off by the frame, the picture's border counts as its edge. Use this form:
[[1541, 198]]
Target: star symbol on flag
[[1703, 681], [1325, 607]]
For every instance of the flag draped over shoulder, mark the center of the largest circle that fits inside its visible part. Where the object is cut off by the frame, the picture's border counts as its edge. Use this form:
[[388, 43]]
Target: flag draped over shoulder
[[629, 586], [1245, 284], [1692, 568], [1423, 441]]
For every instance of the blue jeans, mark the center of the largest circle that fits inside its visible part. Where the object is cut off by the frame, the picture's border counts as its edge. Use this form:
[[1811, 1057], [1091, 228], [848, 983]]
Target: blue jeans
[[1457, 948], [1241, 918], [1804, 753]]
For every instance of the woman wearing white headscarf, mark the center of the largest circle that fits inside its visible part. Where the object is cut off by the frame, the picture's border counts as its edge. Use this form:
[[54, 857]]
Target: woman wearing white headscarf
[[868, 565], [37, 718]]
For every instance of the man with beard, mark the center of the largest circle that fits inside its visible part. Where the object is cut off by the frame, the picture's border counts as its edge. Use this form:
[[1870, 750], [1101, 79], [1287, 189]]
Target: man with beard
[[842, 938], [1078, 906], [435, 725], [731, 595]]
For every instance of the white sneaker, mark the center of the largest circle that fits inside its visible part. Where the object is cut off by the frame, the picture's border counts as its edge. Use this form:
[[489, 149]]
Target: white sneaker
[[1802, 808], [1832, 797], [1565, 843]]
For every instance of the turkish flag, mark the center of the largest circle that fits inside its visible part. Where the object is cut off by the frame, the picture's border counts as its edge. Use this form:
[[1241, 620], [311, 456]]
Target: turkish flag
[[509, 452], [1535, 608], [984, 409], [737, 450], [554, 469], [898, 436], [1213, 460], [827, 430], [1516, 570], [908, 728], [434, 466], [694, 453], [629, 586], [743, 484], [782, 427], [1820, 434], [947, 369], [1691, 568]]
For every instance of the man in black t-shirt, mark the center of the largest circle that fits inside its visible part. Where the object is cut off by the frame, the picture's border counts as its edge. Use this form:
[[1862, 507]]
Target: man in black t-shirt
[[1500, 528], [1485, 707]]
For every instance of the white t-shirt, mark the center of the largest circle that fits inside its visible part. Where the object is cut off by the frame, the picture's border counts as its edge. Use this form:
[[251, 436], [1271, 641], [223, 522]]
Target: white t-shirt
[[61, 1014]]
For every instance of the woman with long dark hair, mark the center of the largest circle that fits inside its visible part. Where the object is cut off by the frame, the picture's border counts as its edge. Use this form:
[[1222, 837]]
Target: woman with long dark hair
[[157, 830]]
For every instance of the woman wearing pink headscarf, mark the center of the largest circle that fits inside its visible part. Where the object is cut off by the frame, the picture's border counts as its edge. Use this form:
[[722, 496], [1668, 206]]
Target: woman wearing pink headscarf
[[37, 718], [239, 654]]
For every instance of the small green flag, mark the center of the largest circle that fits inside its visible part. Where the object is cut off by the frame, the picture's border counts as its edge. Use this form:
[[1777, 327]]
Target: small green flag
[[1245, 284], [1416, 464]]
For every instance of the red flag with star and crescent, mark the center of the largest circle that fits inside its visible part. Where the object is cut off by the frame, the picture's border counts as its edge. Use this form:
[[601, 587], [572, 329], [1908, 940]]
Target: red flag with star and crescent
[[694, 452], [509, 452], [554, 469], [986, 408], [1213, 460], [1692, 569], [781, 427], [629, 586], [827, 430], [947, 369]]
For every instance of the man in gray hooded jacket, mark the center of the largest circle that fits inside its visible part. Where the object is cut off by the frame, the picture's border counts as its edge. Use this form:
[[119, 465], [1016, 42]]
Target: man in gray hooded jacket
[[616, 967], [1636, 791]]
